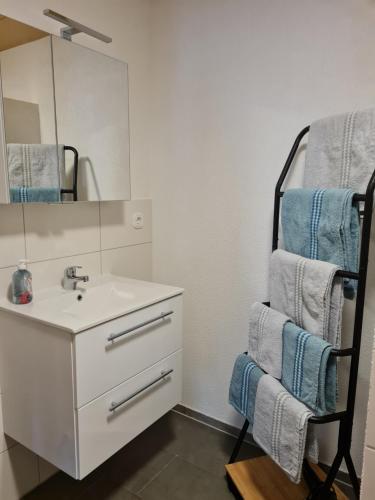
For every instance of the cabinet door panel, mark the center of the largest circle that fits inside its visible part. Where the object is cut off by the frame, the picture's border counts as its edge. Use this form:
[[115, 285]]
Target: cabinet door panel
[[91, 92]]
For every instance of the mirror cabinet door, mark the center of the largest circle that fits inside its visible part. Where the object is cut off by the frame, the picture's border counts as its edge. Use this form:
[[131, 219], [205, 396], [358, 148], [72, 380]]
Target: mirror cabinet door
[[91, 93], [34, 165]]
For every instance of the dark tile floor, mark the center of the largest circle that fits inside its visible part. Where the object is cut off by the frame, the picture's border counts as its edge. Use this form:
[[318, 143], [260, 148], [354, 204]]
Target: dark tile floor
[[177, 458]]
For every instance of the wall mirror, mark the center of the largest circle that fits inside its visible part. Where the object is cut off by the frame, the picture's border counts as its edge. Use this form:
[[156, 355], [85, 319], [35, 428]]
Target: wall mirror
[[64, 122]]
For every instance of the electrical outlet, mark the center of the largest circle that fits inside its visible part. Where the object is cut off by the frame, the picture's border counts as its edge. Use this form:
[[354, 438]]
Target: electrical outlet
[[138, 220]]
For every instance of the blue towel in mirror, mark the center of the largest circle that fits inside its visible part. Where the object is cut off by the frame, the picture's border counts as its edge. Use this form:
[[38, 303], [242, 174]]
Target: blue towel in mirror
[[34, 195], [243, 386], [308, 370], [323, 224]]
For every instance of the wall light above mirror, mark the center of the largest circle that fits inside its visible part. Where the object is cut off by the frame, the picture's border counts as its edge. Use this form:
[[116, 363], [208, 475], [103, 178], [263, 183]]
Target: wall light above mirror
[[64, 121]]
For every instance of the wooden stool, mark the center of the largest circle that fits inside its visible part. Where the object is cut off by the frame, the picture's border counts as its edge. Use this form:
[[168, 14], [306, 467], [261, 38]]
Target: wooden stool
[[261, 479]]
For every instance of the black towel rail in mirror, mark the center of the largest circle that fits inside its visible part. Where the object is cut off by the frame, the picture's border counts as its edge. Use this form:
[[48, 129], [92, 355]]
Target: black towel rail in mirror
[[74, 190], [322, 490]]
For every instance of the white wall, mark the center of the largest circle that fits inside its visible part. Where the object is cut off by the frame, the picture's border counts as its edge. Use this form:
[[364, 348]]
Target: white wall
[[97, 236], [26, 75], [368, 479], [233, 83]]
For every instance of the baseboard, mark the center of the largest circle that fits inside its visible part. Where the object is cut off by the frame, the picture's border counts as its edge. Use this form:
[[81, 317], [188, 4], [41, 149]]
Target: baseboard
[[213, 422], [233, 431]]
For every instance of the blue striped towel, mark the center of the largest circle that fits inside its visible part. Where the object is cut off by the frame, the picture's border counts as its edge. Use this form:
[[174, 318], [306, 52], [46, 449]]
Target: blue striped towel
[[323, 224], [243, 386], [24, 194], [308, 370]]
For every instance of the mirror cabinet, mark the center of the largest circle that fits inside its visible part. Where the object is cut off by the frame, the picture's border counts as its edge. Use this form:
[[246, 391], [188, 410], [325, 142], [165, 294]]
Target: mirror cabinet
[[64, 120]]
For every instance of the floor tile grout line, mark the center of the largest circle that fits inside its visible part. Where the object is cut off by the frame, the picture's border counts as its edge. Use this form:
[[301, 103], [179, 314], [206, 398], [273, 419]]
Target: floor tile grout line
[[227, 433], [200, 467], [254, 445], [157, 474]]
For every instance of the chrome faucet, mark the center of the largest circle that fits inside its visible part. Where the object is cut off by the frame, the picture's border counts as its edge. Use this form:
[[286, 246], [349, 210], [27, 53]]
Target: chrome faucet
[[71, 279]]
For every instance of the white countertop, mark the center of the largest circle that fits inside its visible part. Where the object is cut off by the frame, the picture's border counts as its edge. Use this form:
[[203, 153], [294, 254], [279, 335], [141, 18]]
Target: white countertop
[[103, 298]]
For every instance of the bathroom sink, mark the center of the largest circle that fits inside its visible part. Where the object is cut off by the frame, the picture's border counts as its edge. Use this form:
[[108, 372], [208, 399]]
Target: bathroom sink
[[99, 298], [102, 299]]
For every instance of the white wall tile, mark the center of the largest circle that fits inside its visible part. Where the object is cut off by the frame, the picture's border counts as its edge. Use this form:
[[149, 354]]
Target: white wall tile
[[61, 230], [50, 272], [46, 470], [133, 261], [18, 472], [116, 223], [5, 281], [368, 476], [12, 243], [6, 442]]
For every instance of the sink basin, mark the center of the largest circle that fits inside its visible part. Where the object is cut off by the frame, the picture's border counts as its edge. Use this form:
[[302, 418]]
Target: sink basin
[[100, 298], [103, 298]]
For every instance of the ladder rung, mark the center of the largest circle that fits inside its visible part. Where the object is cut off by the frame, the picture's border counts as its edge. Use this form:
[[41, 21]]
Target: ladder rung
[[342, 352], [332, 417], [347, 274], [356, 197]]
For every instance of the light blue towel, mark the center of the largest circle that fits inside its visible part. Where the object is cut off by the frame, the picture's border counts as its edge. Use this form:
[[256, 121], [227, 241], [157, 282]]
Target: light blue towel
[[243, 386], [323, 224], [308, 371], [34, 195]]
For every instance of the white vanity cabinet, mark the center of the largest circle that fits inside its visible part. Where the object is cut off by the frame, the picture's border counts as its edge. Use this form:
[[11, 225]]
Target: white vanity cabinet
[[77, 398]]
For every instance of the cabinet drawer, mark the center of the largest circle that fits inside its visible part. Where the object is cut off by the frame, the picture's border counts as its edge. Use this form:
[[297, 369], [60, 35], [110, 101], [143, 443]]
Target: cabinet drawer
[[141, 401], [140, 339]]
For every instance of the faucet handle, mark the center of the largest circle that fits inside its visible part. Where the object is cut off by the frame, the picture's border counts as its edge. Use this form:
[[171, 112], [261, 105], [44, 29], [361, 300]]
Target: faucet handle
[[70, 271]]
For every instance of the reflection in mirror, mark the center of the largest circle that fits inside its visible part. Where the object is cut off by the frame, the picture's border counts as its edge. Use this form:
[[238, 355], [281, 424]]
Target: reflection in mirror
[[35, 162], [91, 92]]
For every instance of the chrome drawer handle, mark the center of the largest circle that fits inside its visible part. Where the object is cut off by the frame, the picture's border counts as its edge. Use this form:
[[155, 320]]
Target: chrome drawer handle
[[162, 375], [162, 315]]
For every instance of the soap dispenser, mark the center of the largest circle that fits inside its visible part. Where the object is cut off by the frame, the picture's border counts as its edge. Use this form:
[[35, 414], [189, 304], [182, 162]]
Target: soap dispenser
[[22, 284]]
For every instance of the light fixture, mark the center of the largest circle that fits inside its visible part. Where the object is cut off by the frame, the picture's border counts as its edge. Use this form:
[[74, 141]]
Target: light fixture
[[73, 27]]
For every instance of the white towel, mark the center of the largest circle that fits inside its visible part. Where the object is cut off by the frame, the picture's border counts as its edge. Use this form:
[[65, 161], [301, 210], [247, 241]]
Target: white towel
[[36, 165], [265, 338], [306, 291], [340, 151], [280, 426]]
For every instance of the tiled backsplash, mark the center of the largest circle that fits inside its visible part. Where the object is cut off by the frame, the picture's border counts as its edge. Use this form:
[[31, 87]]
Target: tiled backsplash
[[97, 236]]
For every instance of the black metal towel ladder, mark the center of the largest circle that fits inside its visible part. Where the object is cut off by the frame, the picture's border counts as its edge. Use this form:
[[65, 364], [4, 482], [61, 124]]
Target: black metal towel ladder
[[74, 190], [323, 490]]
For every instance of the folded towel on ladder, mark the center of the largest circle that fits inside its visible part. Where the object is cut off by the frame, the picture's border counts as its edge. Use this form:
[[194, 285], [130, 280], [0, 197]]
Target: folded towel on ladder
[[305, 290], [36, 165], [34, 195], [265, 338], [323, 224], [280, 426], [243, 386], [340, 151], [309, 372]]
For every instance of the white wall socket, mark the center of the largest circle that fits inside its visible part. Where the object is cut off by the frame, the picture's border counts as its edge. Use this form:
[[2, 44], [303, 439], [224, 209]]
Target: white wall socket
[[138, 221]]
